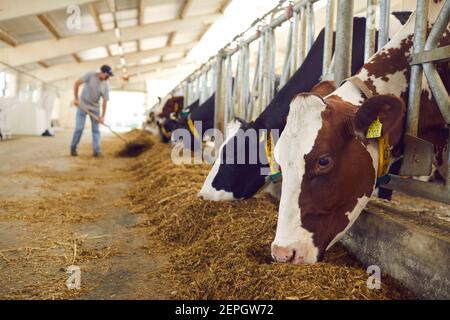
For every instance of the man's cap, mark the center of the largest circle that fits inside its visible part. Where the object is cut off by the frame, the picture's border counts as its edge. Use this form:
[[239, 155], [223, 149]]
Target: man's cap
[[107, 69]]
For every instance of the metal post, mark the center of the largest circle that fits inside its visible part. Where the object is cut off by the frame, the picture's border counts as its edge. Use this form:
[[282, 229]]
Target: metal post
[[287, 59], [311, 26], [271, 53], [186, 94], [415, 83], [243, 80], [344, 39], [228, 90], [254, 93], [437, 87], [261, 51], [383, 33], [218, 103], [302, 37], [295, 32], [328, 39], [369, 42]]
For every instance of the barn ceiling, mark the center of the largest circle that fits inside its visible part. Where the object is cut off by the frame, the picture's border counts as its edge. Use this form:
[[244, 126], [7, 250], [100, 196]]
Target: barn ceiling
[[42, 37]]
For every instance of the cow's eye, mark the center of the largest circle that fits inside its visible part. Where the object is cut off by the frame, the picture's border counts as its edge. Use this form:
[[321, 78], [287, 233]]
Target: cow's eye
[[324, 162]]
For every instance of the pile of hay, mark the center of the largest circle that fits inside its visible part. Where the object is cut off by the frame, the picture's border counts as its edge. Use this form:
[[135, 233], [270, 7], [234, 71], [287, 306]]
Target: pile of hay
[[221, 250], [138, 142]]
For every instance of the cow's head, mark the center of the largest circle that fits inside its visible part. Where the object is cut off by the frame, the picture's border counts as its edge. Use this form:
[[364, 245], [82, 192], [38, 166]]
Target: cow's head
[[230, 178], [329, 170]]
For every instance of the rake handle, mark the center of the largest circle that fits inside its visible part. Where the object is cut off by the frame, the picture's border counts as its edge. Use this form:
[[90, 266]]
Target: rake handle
[[104, 124]]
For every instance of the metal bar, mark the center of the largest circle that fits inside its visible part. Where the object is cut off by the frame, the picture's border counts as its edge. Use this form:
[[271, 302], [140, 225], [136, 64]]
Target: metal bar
[[328, 39], [435, 82], [245, 82], [311, 26], [417, 188], [438, 89], [228, 90], [287, 59], [302, 37], [218, 103], [254, 93], [294, 50], [438, 54], [261, 73], [274, 23], [369, 41], [415, 82], [186, 94], [344, 39], [439, 27], [383, 33]]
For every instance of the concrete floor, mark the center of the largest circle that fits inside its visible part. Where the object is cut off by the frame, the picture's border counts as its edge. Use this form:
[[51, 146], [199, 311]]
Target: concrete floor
[[57, 211]]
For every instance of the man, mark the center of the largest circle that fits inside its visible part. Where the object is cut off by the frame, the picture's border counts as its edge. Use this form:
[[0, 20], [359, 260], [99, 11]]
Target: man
[[95, 87]]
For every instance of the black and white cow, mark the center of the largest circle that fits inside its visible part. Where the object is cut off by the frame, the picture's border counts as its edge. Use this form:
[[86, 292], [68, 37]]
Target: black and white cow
[[241, 181]]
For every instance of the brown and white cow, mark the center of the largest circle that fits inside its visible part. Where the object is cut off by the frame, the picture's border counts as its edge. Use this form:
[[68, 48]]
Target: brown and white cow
[[172, 105], [329, 166]]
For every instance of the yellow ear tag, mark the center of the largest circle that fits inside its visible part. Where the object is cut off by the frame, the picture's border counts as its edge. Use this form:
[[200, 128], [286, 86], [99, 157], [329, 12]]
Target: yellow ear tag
[[374, 130]]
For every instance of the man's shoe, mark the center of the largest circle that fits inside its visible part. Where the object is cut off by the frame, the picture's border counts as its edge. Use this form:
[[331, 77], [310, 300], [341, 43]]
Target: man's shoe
[[98, 155], [73, 153]]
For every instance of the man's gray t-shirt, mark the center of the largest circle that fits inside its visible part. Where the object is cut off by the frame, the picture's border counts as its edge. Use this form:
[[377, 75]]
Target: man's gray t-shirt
[[93, 89]]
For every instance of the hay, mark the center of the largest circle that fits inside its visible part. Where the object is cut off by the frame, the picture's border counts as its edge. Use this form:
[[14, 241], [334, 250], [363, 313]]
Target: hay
[[221, 250], [138, 142]]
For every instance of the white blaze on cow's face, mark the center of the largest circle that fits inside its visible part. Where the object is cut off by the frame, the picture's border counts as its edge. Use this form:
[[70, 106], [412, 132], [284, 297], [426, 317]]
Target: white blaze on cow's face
[[293, 243]]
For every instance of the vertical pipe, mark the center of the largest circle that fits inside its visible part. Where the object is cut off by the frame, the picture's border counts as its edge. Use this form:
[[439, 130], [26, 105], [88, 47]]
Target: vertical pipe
[[218, 105], [383, 33], [271, 50], [254, 93], [287, 58], [369, 41], [415, 83], [311, 26], [228, 90], [328, 39], [245, 69], [294, 48], [186, 94], [302, 37], [261, 72], [344, 39]]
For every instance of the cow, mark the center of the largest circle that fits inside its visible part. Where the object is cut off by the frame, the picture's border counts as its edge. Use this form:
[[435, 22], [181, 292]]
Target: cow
[[168, 121], [241, 181], [172, 105], [333, 152]]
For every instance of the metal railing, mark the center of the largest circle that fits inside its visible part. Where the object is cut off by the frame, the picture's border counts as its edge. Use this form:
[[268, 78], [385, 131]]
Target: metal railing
[[418, 153]]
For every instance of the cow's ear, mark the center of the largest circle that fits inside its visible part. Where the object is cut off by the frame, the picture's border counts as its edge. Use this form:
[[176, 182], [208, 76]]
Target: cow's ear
[[389, 109], [324, 88]]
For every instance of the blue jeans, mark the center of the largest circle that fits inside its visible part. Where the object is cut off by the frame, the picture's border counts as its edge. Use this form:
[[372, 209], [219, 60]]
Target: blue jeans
[[79, 127]]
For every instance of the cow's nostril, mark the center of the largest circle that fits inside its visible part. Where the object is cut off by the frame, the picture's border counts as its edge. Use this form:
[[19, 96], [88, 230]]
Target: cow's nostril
[[281, 254]]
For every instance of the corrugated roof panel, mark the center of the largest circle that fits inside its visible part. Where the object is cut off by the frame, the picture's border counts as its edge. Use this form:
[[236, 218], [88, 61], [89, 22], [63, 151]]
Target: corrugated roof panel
[[60, 60], [200, 7], [153, 42], [161, 12], [95, 53], [150, 60]]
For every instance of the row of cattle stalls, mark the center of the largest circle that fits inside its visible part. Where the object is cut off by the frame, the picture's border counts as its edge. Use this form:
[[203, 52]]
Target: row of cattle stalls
[[245, 86], [246, 74]]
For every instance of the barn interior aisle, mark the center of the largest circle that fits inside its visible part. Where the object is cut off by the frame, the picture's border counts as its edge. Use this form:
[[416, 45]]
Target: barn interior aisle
[[59, 211], [140, 238]]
